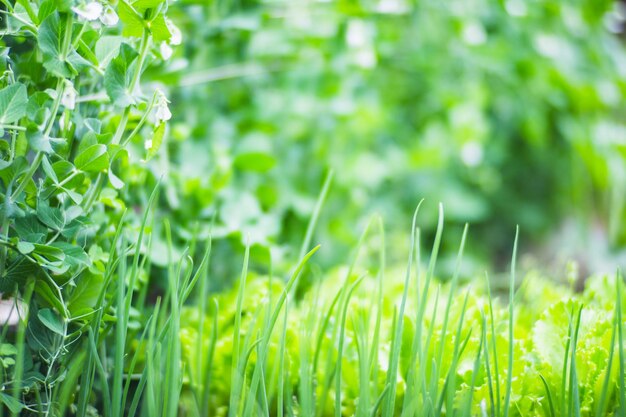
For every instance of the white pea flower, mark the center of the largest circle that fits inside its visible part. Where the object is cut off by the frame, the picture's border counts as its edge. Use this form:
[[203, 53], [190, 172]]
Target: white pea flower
[[147, 144], [177, 36], [68, 98], [88, 11], [166, 50], [163, 112], [109, 17]]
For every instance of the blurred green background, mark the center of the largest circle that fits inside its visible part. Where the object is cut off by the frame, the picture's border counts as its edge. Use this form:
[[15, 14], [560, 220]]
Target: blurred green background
[[508, 112]]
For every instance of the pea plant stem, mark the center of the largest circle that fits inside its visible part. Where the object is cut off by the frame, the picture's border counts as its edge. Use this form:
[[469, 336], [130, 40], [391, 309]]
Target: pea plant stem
[[143, 51], [12, 127], [39, 155]]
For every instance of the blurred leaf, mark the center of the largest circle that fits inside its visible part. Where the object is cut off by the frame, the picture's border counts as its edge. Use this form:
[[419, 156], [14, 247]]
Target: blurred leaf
[[12, 404], [157, 139], [133, 21]]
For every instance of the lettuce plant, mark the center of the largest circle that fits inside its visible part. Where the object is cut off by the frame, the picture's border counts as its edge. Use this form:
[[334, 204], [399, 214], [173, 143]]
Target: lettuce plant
[[380, 342]]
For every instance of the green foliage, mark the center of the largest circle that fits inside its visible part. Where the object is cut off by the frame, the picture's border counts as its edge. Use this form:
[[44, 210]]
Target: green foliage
[[508, 112], [111, 206], [61, 141], [13, 102], [563, 345]]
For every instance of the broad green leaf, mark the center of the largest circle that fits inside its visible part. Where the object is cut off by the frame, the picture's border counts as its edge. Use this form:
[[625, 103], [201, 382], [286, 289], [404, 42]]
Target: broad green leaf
[[49, 294], [13, 101], [65, 64], [25, 247], [79, 228], [75, 256], [52, 217], [42, 143], [62, 170], [12, 404], [37, 109], [48, 254], [94, 125], [89, 139], [7, 349], [84, 297], [132, 20], [29, 229], [76, 197], [51, 320], [93, 159], [63, 5], [147, 4], [17, 20], [46, 8], [50, 36], [10, 173], [39, 142], [134, 16], [118, 75], [107, 48], [47, 168], [159, 30]]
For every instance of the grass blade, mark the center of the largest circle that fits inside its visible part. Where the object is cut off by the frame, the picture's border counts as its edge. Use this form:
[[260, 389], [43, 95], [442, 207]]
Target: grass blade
[[509, 376]]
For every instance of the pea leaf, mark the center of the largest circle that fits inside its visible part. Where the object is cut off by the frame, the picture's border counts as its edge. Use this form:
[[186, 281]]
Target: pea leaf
[[37, 107], [13, 101], [117, 76], [7, 349], [47, 254], [47, 167], [63, 169], [75, 256], [65, 64], [42, 143], [25, 247], [50, 216], [51, 320], [93, 159], [46, 8], [39, 142], [133, 16], [132, 20], [85, 296], [48, 294], [63, 5], [12, 404], [29, 229], [107, 48], [147, 4], [159, 30]]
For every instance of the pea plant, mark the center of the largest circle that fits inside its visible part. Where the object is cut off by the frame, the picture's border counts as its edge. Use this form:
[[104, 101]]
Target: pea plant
[[73, 112]]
